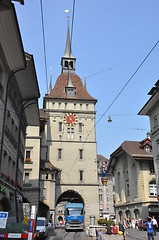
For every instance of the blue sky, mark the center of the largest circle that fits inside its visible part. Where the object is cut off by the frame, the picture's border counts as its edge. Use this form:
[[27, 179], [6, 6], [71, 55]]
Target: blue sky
[[110, 40]]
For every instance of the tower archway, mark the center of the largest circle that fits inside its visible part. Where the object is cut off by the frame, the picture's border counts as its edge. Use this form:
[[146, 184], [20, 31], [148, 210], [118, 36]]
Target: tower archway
[[69, 196]]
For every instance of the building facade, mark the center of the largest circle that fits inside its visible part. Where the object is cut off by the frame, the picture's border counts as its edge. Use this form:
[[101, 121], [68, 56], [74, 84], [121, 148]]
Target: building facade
[[151, 109], [135, 184], [18, 100]]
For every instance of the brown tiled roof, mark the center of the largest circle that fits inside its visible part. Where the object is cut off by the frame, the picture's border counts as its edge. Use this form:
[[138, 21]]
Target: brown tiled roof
[[133, 148], [102, 158], [47, 165], [58, 91]]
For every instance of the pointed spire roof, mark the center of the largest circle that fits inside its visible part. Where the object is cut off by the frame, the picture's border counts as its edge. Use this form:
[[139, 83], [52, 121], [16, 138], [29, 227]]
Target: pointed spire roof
[[68, 51]]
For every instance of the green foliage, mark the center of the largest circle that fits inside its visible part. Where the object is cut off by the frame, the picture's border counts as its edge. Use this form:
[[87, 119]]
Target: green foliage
[[3, 190], [103, 221]]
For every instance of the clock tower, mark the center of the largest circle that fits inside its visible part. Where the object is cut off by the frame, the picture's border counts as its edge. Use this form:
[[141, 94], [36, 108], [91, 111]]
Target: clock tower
[[69, 139]]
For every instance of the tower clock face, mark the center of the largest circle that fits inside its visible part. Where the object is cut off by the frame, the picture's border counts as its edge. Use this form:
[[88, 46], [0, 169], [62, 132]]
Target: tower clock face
[[70, 119]]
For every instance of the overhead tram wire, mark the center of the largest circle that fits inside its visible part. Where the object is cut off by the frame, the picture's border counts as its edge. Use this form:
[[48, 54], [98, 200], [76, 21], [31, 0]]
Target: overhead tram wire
[[72, 23], [44, 45], [119, 94], [122, 89]]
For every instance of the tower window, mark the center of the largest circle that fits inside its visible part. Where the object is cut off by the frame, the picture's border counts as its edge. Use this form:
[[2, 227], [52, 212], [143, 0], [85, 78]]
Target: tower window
[[68, 132], [74, 105], [71, 64], [66, 64], [59, 153], [80, 138], [72, 133], [81, 175], [81, 153], [80, 127], [81, 106], [60, 126]]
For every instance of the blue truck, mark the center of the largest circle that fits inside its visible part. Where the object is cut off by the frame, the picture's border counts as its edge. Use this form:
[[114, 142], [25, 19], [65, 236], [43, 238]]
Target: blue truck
[[74, 216]]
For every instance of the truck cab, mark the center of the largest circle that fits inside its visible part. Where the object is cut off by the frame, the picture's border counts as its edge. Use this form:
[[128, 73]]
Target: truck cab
[[74, 216]]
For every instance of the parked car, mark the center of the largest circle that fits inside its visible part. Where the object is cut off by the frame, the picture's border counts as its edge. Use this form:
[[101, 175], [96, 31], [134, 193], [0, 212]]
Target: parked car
[[41, 227], [142, 225]]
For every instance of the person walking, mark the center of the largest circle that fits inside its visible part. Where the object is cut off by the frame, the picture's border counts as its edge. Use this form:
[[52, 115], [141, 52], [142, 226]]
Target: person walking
[[122, 229], [155, 225], [149, 225]]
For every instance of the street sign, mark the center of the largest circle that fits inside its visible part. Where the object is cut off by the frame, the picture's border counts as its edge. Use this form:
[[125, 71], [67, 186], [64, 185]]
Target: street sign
[[3, 219]]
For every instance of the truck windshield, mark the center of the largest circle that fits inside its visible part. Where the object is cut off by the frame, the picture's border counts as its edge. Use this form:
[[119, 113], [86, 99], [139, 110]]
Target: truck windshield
[[40, 223], [74, 212]]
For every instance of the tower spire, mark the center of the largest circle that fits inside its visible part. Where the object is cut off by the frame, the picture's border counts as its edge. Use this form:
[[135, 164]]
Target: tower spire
[[68, 60], [85, 81], [68, 50]]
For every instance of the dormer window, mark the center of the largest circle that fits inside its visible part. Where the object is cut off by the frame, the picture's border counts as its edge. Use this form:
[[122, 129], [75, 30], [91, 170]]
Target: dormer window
[[70, 92], [147, 149]]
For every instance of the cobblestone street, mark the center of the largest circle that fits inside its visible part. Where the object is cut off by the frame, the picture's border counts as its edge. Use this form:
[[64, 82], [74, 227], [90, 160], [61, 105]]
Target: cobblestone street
[[60, 234]]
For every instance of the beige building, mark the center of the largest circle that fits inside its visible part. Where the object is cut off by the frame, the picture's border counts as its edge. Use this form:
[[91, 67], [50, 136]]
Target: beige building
[[135, 185], [18, 108], [151, 109], [68, 143]]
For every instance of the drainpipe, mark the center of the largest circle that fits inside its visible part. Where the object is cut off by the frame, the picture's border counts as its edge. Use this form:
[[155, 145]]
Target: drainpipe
[[23, 107], [12, 73]]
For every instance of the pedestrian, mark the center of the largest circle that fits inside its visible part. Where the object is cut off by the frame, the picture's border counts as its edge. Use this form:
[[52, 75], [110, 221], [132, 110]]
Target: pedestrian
[[149, 225], [136, 224], [99, 234], [115, 229], [133, 223], [109, 229], [155, 225], [122, 229]]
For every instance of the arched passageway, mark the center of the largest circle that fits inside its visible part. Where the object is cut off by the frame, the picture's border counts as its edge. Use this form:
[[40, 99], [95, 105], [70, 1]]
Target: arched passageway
[[69, 196]]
